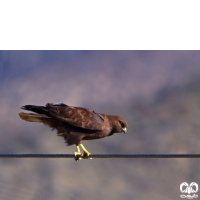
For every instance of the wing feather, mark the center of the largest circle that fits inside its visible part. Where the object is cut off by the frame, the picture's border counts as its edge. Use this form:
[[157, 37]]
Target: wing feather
[[77, 116]]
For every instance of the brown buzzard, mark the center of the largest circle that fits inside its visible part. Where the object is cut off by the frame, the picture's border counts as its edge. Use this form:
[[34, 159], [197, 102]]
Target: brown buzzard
[[75, 123]]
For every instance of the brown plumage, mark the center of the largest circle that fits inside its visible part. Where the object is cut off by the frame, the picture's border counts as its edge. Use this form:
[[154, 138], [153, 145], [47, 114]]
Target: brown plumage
[[75, 123]]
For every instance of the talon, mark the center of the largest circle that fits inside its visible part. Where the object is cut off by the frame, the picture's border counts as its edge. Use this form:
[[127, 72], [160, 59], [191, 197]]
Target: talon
[[86, 155], [89, 155], [77, 156]]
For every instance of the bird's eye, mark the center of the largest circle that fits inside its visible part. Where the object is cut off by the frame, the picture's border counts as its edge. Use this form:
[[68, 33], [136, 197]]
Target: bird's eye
[[122, 124]]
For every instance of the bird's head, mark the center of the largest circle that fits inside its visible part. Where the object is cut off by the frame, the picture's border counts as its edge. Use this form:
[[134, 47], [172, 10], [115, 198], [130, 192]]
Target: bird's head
[[119, 125]]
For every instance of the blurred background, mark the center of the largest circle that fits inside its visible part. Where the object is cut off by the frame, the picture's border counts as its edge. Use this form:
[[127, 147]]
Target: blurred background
[[156, 92]]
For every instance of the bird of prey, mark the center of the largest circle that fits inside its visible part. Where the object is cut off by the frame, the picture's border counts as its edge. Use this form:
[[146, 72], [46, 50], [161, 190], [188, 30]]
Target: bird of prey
[[75, 123]]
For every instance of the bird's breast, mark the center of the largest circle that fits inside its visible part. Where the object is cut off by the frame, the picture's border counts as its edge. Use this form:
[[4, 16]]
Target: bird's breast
[[96, 135]]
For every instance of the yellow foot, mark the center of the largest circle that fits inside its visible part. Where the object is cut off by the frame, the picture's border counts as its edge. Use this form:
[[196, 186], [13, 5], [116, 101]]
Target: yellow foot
[[77, 156], [86, 155]]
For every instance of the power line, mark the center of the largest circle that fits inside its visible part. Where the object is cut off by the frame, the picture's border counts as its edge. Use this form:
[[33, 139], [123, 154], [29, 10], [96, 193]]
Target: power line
[[100, 156]]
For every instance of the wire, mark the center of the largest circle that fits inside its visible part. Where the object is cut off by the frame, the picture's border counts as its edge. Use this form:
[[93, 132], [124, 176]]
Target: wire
[[100, 156]]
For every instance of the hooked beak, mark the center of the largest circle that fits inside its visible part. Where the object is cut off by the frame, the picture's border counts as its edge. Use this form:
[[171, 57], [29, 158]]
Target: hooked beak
[[124, 130]]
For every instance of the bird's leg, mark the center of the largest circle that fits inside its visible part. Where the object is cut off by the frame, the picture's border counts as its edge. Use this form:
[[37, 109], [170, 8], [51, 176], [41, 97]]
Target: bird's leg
[[86, 152], [77, 158]]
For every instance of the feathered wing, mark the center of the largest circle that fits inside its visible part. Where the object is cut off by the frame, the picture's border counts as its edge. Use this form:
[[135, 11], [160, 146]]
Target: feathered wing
[[76, 116], [55, 113]]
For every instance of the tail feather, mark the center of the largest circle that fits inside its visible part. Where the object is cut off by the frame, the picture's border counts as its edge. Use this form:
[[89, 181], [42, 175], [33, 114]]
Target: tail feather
[[30, 117]]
